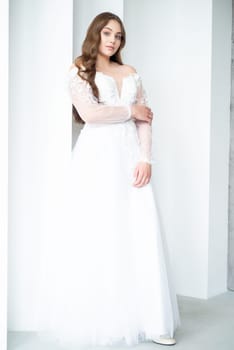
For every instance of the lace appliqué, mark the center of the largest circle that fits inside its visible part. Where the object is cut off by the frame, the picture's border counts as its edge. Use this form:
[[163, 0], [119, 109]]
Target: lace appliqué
[[141, 93], [88, 106], [78, 86], [144, 129]]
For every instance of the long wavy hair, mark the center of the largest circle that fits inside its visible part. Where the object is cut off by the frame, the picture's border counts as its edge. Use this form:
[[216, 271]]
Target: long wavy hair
[[86, 62]]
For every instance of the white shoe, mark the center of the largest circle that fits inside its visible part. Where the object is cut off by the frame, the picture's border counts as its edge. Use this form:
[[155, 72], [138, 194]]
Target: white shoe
[[164, 340]]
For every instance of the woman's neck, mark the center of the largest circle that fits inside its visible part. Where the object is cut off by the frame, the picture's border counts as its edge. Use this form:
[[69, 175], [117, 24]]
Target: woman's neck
[[103, 63]]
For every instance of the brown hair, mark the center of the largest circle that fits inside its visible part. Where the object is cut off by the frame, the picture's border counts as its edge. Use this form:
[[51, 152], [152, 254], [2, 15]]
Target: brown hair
[[86, 62]]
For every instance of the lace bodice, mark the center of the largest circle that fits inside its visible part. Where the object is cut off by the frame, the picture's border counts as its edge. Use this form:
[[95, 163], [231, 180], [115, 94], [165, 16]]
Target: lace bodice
[[113, 105]]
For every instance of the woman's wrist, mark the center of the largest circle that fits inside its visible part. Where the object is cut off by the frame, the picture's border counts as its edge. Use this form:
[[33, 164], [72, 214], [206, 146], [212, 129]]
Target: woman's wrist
[[133, 111], [145, 161]]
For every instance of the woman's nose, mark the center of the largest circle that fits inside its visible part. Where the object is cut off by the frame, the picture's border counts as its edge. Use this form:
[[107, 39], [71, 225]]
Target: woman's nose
[[112, 39]]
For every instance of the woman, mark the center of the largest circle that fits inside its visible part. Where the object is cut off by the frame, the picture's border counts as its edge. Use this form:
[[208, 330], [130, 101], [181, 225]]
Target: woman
[[113, 285]]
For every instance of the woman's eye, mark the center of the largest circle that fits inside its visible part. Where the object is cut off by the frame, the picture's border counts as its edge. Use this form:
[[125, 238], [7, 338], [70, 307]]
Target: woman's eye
[[106, 33], [119, 37]]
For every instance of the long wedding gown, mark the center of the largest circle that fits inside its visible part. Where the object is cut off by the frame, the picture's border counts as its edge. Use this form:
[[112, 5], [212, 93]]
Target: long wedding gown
[[107, 281]]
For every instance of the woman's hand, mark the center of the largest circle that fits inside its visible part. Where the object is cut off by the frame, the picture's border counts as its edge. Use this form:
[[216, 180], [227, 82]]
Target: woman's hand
[[142, 112], [142, 174]]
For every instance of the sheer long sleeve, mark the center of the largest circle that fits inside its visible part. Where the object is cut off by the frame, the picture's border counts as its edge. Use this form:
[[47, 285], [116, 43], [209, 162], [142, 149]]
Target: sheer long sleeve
[[144, 129], [87, 105]]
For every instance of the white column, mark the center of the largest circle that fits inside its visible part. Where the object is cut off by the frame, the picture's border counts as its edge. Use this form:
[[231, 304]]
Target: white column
[[4, 46], [39, 139], [191, 154], [219, 145], [182, 50]]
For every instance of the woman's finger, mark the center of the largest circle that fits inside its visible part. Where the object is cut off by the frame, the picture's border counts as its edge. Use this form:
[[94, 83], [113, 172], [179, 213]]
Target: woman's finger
[[136, 171], [142, 182], [135, 174], [139, 178]]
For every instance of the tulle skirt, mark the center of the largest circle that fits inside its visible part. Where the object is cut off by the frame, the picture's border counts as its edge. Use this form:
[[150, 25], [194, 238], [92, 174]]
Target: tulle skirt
[[106, 279]]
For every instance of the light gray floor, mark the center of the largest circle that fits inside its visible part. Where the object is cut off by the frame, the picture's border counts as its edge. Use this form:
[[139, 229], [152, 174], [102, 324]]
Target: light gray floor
[[205, 325]]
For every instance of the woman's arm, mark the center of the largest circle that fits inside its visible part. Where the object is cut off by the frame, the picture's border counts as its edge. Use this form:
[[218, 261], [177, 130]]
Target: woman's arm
[[87, 105], [144, 129]]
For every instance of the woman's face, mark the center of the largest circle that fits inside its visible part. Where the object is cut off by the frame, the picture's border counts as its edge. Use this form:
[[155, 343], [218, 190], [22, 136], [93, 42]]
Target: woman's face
[[110, 38]]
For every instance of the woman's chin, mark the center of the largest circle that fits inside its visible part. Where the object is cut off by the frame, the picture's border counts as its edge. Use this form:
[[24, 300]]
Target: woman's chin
[[107, 54]]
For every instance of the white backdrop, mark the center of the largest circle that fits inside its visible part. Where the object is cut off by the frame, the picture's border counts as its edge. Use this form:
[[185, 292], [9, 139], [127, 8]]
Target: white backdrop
[[4, 63], [177, 48], [183, 51]]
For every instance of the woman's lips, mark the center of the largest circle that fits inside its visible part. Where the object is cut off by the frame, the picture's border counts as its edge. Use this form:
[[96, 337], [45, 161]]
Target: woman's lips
[[110, 47]]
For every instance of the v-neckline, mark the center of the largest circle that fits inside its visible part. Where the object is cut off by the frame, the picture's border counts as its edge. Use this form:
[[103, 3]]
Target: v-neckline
[[119, 91]]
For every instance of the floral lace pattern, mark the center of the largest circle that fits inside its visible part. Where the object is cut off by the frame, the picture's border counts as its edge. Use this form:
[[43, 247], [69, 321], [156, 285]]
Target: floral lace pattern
[[113, 106]]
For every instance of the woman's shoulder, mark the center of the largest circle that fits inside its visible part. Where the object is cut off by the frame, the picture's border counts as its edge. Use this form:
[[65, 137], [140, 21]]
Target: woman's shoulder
[[129, 69], [72, 73], [76, 65], [74, 79], [72, 67], [75, 68], [124, 69]]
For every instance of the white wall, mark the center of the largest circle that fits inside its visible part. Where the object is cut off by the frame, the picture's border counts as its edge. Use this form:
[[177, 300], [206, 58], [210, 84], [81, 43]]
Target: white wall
[[39, 141], [182, 50], [219, 144], [4, 46]]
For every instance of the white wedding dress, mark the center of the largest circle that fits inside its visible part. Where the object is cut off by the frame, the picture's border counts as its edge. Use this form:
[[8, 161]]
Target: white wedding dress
[[107, 280]]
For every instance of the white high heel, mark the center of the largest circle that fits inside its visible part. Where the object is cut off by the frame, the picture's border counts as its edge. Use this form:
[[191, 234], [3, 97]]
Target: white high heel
[[163, 340]]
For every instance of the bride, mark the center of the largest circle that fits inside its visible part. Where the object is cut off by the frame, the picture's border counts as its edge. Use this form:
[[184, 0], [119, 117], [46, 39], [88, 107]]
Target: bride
[[109, 277]]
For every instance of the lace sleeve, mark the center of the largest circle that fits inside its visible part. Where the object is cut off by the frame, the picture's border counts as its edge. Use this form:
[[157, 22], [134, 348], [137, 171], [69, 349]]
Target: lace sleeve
[[144, 129], [88, 107]]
